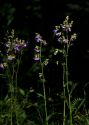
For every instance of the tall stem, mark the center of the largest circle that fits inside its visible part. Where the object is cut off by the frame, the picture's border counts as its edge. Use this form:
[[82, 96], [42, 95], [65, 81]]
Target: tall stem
[[64, 105], [43, 81], [67, 68], [67, 81], [16, 87], [44, 95], [70, 108], [10, 82]]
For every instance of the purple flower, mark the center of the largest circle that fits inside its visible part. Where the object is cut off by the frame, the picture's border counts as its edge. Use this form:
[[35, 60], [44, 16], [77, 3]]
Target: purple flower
[[36, 58], [38, 38], [55, 31], [57, 28], [19, 46], [63, 40], [66, 28]]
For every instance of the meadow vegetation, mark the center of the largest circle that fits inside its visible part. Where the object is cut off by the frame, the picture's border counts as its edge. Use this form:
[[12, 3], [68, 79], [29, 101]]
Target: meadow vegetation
[[52, 100]]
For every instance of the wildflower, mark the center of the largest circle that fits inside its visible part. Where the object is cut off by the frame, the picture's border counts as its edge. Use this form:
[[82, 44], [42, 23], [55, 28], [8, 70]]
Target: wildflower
[[8, 44], [46, 62], [15, 45], [58, 34], [61, 31], [40, 75], [38, 37], [5, 64], [18, 45], [65, 41], [56, 29], [60, 39], [44, 42], [11, 57], [57, 62], [66, 26], [56, 51], [37, 49], [73, 37], [37, 57], [23, 44], [1, 66], [12, 33]]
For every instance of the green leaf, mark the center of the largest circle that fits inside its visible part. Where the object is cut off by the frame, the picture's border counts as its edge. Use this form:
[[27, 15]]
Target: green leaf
[[23, 115], [40, 95], [50, 116], [79, 106], [22, 92], [61, 50]]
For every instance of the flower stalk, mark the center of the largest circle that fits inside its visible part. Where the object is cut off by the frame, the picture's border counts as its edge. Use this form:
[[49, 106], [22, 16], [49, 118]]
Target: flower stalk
[[62, 33], [38, 50]]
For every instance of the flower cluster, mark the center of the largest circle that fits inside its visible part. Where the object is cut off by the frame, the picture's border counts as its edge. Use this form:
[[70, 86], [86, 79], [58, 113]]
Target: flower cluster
[[66, 26], [38, 48], [14, 46], [38, 38], [64, 36], [37, 53], [62, 32]]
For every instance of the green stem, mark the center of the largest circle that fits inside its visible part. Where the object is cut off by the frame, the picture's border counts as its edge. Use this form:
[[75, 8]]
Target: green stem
[[67, 69], [64, 105], [67, 81], [16, 87], [10, 82], [44, 95], [44, 92], [16, 75], [70, 109]]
